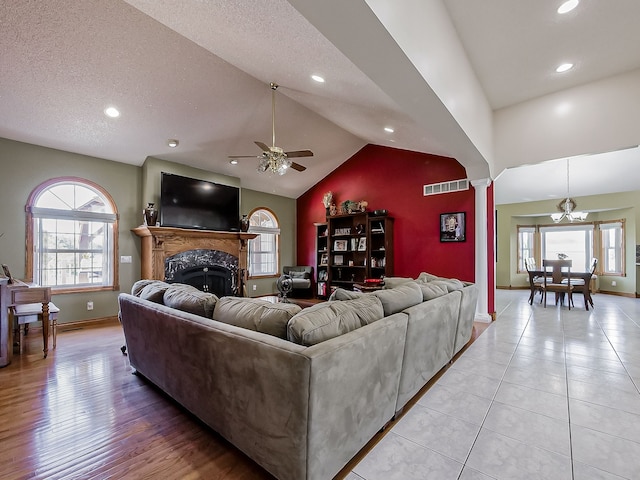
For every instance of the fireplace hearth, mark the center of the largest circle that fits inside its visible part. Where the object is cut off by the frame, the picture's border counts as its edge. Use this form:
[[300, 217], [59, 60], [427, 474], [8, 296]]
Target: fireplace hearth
[[208, 270]]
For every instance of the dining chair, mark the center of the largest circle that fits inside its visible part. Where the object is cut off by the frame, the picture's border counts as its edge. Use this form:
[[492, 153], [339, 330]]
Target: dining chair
[[556, 285], [535, 279], [582, 284]]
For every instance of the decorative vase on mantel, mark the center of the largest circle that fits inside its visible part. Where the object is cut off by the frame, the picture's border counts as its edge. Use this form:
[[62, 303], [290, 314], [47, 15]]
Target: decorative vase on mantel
[[150, 215], [244, 223]]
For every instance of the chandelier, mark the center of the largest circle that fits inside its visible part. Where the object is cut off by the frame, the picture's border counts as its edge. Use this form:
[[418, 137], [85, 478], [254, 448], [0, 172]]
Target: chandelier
[[274, 161], [567, 207]]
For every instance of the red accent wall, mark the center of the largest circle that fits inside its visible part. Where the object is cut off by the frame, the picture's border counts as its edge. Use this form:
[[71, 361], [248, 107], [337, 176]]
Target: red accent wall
[[393, 179]]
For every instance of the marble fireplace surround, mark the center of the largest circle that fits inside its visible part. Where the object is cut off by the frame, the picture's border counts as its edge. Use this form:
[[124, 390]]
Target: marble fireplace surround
[[161, 243]]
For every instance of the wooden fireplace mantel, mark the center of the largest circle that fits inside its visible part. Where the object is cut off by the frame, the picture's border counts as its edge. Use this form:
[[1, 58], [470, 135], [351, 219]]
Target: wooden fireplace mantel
[[158, 243]]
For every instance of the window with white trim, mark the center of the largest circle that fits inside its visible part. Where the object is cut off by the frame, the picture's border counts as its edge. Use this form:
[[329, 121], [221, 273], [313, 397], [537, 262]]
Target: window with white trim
[[71, 242], [264, 249], [612, 248], [574, 241], [526, 246]]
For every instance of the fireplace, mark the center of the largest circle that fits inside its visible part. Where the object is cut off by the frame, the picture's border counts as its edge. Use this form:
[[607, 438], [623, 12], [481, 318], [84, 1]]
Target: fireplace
[[208, 270], [203, 258]]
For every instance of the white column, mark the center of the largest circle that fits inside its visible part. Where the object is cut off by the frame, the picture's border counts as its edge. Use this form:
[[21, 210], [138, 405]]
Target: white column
[[481, 235]]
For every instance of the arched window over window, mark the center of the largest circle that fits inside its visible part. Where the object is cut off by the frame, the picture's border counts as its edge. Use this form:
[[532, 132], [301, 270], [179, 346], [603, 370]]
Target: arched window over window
[[71, 236], [264, 250]]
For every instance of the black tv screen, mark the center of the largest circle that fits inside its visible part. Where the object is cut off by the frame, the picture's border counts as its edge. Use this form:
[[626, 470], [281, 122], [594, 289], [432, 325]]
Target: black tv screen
[[191, 203]]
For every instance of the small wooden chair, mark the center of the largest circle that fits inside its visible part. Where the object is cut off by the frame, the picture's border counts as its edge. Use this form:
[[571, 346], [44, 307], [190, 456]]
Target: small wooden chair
[[556, 285], [535, 280], [30, 304], [583, 284]]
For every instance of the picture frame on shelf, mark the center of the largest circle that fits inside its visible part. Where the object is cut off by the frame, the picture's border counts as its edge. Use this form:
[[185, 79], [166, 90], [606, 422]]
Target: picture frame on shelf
[[362, 244], [452, 227], [338, 260], [324, 260], [340, 245]]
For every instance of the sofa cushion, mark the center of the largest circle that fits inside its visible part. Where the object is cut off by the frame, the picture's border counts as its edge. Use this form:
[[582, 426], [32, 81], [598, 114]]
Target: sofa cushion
[[190, 299], [432, 290], [396, 299], [342, 294], [255, 314], [154, 292], [393, 282], [451, 284], [331, 319], [425, 277], [139, 285]]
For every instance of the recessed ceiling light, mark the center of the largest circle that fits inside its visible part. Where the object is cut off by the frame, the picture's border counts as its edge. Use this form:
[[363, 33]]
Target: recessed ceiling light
[[111, 112], [317, 78], [564, 67], [389, 129], [173, 143], [568, 6], [233, 161]]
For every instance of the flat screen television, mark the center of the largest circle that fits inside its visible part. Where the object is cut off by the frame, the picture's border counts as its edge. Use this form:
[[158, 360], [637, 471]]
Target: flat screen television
[[192, 203]]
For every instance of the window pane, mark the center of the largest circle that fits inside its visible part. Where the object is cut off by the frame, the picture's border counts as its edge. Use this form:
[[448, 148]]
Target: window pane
[[263, 250], [72, 251]]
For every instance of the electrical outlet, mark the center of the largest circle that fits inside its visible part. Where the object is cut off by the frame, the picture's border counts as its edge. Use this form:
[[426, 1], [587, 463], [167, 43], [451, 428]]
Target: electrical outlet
[[255, 287], [125, 259], [614, 283], [89, 305]]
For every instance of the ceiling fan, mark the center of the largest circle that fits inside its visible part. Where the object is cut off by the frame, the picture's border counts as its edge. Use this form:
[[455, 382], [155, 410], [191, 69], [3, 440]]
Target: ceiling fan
[[275, 159]]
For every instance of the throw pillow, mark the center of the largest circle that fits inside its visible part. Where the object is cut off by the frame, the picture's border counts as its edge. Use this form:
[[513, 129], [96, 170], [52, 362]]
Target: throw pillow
[[255, 314], [331, 319], [190, 299], [432, 290], [397, 299], [154, 292]]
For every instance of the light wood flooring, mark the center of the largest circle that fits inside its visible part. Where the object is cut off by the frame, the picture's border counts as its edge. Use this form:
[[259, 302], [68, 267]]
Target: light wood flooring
[[81, 413]]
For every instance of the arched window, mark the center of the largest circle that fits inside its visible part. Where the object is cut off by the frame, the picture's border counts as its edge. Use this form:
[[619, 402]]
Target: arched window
[[71, 236], [264, 249]]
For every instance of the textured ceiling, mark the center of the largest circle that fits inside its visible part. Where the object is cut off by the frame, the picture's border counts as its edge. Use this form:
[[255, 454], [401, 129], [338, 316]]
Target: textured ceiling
[[198, 71]]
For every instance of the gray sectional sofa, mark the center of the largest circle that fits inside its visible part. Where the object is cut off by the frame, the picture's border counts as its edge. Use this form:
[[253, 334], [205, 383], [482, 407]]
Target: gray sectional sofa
[[299, 391]]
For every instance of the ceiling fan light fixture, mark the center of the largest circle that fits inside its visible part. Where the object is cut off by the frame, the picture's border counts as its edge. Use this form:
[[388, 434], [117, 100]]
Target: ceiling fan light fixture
[[567, 208]]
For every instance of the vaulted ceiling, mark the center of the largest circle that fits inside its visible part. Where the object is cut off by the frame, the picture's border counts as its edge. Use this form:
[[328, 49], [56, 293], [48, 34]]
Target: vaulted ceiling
[[435, 71]]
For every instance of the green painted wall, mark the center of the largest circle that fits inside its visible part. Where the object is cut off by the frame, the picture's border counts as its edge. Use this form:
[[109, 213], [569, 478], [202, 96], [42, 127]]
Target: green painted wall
[[625, 205], [24, 166]]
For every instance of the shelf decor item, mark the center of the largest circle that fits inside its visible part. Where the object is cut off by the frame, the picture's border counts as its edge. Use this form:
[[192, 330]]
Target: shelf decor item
[[150, 215], [244, 223]]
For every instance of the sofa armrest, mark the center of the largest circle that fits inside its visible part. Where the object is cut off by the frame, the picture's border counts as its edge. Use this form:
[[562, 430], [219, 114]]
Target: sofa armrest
[[353, 391]]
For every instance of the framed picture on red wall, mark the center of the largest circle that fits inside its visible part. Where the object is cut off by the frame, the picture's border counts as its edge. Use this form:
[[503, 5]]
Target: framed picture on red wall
[[452, 227]]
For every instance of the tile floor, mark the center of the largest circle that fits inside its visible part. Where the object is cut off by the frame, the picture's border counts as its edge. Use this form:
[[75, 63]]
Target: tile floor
[[541, 394]]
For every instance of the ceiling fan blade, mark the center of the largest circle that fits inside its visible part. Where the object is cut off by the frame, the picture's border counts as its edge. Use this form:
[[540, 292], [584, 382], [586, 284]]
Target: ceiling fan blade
[[263, 146], [299, 153], [298, 167], [243, 156]]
